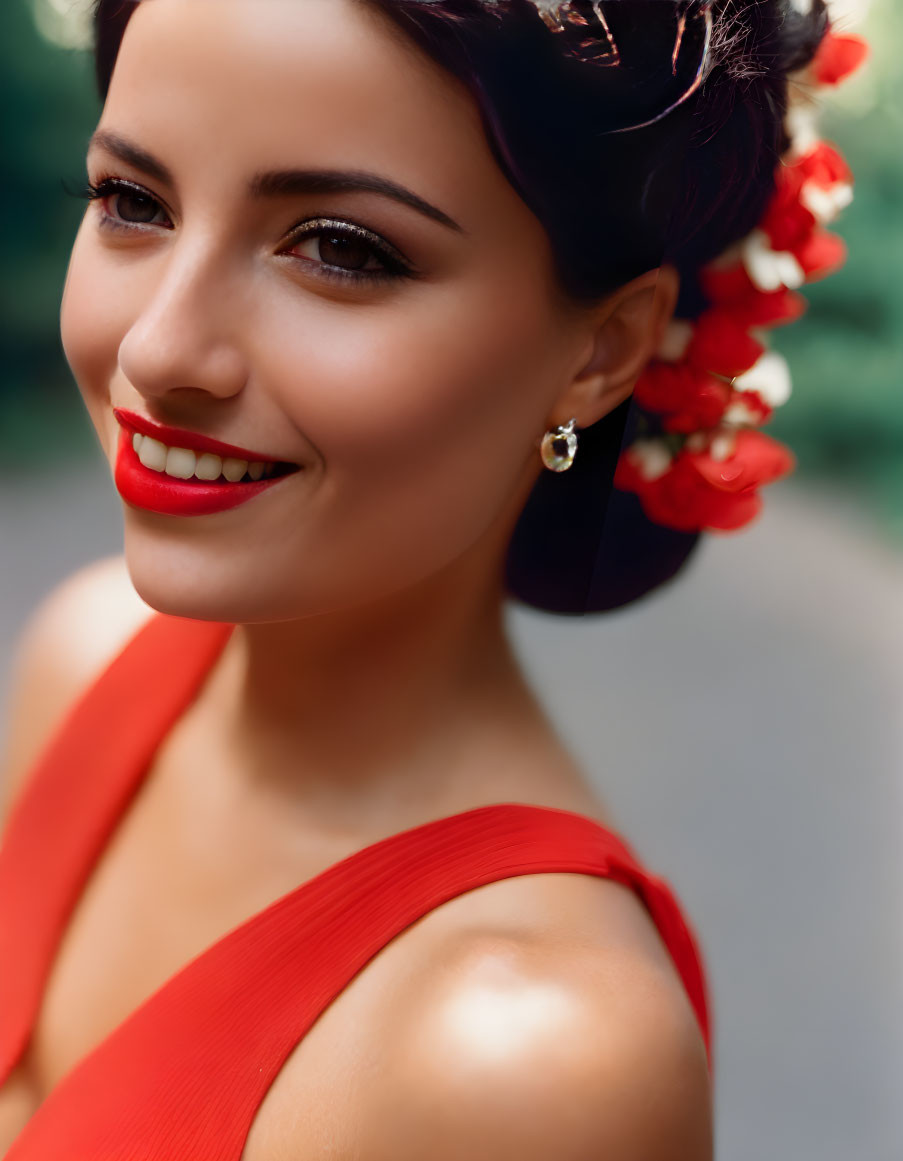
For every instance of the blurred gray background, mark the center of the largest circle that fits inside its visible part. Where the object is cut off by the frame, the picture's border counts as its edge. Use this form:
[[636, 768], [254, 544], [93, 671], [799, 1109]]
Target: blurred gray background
[[745, 723]]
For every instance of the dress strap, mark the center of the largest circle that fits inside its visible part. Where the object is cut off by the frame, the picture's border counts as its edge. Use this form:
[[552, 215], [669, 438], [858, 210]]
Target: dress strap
[[184, 1076], [80, 786]]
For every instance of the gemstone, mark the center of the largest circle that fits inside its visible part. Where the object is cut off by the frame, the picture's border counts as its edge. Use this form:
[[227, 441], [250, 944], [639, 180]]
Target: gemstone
[[558, 449]]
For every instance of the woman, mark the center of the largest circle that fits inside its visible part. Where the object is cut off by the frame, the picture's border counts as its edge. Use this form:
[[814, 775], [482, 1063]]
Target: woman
[[355, 273]]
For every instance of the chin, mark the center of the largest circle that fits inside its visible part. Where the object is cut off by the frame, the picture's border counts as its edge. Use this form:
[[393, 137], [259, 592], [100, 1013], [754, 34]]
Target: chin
[[181, 581], [167, 594], [186, 581]]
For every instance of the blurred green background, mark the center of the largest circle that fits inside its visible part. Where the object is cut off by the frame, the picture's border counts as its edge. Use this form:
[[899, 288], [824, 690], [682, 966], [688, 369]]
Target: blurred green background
[[844, 421]]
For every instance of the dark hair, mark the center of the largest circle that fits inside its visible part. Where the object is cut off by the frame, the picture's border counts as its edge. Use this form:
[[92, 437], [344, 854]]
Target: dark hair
[[614, 204]]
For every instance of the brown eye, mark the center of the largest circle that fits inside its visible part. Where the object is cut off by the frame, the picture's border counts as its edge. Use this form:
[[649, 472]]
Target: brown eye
[[125, 204], [346, 252], [343, 251], [134, 207]]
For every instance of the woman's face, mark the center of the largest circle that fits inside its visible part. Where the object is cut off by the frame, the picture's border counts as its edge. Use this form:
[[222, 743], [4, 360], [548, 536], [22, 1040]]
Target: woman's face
[[406, 356]]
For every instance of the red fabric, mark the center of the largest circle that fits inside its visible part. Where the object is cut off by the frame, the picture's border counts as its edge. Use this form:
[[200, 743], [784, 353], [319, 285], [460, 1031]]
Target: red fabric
[[184, 1075]]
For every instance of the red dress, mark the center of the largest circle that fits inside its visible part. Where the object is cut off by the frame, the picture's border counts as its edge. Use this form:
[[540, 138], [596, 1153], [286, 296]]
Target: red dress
[[184, 1075]]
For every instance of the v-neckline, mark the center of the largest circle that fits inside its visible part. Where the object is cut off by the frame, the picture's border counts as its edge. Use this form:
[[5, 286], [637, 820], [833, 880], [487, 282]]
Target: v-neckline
[[445, 855]]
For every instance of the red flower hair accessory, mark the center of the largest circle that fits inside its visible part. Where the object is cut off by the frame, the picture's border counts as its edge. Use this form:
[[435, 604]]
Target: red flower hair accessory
[[699, 459]]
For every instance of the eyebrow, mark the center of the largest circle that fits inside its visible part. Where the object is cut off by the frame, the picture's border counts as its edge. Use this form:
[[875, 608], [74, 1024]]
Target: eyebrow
[[281, 183]]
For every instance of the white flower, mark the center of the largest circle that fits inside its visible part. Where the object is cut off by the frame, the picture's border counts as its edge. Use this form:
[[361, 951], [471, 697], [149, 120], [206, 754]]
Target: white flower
[[770, 269], [652, 456], [769, 378], [824, 203], [675, 341], [801, 123], [739, 414], [719, 446], [722, 446]]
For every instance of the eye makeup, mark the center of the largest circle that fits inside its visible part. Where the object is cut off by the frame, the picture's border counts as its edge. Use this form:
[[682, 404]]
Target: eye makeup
[[337, 232], [342, 233]]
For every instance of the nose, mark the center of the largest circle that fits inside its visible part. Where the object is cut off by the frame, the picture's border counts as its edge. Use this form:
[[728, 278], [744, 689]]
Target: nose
[[185, 336]]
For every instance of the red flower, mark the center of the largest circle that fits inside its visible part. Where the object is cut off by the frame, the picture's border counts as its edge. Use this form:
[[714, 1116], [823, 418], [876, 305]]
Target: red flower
[[788, 220], [689, 399], [722, 345], [837, 57], [726, 283], [769, 309], [628, 477], [732, 287], [712, 483], [821, 254], [825, 166], [752, 402], [700, 493]]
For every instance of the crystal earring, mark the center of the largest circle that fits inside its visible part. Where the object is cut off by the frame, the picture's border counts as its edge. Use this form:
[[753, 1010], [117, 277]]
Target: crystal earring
[[559, 447]]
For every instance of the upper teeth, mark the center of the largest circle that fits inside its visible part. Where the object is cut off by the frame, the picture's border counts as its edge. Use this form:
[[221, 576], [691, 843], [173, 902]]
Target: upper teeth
[[183, 463]]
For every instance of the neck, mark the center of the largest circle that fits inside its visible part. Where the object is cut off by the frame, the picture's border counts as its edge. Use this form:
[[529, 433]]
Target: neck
[[405, 706]]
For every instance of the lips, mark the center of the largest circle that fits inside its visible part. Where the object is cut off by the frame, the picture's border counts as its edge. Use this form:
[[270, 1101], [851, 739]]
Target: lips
[[179, 437], [142, 487]]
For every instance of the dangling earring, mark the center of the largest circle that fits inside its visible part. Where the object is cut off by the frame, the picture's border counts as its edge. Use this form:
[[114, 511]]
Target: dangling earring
[[559, 446]]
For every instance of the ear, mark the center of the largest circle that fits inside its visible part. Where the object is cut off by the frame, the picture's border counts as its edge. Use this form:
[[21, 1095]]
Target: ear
[[623, 334]]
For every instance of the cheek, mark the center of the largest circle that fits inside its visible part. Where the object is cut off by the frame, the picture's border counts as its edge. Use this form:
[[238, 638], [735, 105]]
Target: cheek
[[92, 325], [424, 409], [425, 412]]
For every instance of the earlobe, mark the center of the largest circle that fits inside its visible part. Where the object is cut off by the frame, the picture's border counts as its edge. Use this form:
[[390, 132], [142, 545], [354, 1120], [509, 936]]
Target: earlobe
[[627, 330]]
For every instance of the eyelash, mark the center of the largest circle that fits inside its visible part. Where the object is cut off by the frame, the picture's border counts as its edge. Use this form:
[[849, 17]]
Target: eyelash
[[393, 266]]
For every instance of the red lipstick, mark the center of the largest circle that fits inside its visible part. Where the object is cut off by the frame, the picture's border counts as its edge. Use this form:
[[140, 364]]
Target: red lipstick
[[157, 492]]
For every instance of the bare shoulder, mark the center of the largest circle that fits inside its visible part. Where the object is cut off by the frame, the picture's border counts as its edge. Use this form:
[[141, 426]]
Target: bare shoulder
[[71, 635], [532, 1049]]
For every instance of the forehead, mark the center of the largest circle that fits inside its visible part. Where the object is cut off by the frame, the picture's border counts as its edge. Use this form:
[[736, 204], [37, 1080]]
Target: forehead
[[247, 84]]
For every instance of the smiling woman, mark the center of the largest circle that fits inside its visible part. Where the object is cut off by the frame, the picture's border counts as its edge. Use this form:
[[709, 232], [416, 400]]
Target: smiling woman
[[383, 344], [304, 870]]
